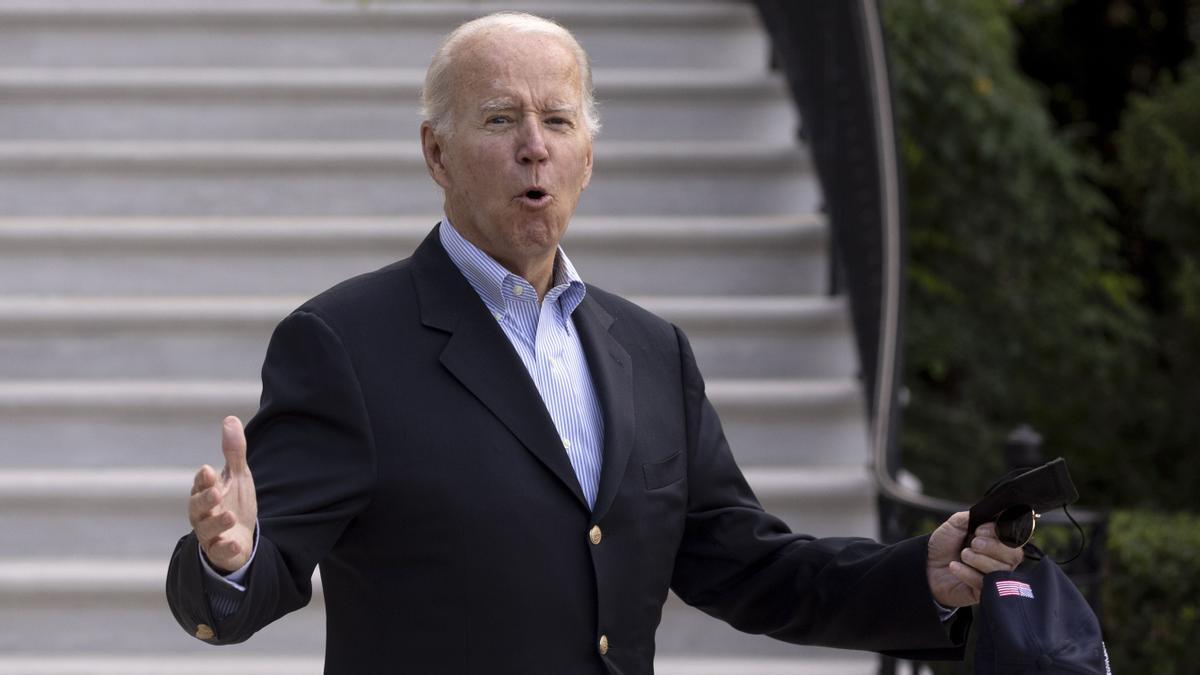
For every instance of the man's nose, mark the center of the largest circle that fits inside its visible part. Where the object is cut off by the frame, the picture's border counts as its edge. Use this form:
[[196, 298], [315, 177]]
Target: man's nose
[[532, 144]]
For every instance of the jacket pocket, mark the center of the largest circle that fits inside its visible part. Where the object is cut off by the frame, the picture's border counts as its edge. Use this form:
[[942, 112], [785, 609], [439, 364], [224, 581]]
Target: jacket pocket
[[665, 472]]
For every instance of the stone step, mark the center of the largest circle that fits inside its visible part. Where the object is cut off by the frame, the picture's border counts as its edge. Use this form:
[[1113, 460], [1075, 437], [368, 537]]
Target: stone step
[[319, 33], [357, 104], [94, 600], [736, 255], [378, 178], [124, 423], [77, 606], [179, 110], [126, 513], [157, 664], [207, 336]]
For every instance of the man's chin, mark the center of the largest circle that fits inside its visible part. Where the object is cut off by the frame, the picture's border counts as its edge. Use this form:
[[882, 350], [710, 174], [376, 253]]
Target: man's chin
[[539, 229]]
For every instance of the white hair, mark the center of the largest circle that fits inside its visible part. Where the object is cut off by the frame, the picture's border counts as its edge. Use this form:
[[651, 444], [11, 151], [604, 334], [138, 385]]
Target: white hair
[[437, 94]]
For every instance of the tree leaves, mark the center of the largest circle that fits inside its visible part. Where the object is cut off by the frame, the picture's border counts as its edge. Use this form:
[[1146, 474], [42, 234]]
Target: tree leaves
[[1020, 309]]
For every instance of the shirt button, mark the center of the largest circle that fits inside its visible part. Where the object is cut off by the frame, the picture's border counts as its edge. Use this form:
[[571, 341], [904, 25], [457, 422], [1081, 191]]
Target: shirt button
[[498, 315], [595, 535], [566, 444], [518, 291], [603, 645]]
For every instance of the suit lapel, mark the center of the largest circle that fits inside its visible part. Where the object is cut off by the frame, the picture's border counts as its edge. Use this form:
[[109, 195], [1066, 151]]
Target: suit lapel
[[612, 375], [480, 356]]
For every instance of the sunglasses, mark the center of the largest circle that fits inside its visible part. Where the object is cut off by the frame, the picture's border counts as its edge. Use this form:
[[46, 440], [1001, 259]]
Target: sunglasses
[[1015, 525]]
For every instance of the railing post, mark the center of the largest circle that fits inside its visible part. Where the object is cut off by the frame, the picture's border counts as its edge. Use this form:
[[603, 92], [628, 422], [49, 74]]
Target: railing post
[[1023, 448]]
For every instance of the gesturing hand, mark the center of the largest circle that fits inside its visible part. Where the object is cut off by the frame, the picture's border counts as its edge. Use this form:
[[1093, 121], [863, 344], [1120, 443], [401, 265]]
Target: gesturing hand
[[223, 509], [956, 574]]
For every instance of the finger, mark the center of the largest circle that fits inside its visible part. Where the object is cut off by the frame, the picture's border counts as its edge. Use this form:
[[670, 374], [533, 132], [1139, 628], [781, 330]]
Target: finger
[[994, 548], [226, 553], [228, 548], [968, 575], [209, 529], [959, 521], [985, 564], [986, 530], [205, 478], [233, 445], [204, 505]]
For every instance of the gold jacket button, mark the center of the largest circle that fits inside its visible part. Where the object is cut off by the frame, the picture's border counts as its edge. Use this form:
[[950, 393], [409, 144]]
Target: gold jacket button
[[603, 645], [594, 534], [204, 631]]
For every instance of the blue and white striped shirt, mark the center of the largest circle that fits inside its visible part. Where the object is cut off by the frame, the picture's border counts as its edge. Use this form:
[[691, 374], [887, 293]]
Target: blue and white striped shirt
[[545, 338]]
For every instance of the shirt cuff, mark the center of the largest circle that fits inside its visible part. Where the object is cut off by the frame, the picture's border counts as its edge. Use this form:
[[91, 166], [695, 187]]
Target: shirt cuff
[[235, 578], [944, 613]]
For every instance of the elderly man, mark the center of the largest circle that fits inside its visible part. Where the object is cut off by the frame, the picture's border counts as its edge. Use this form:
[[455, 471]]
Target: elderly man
[[502, 470]]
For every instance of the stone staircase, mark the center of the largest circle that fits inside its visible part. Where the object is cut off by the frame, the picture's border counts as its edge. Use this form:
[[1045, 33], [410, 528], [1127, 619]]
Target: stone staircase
[[176, 175]]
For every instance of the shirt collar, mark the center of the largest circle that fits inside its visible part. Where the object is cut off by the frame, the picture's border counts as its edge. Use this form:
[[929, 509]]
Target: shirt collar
[[493, 282]]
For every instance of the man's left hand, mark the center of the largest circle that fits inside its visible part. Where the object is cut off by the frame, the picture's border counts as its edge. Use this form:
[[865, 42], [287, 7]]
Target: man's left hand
[[956, 575]]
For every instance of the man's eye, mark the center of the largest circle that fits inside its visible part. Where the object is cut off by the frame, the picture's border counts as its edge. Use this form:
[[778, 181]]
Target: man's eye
[[558, 122], [499, 119]]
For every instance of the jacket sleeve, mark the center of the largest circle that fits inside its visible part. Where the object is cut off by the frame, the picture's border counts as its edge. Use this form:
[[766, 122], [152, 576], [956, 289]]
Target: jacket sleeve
[[311, 452], [742, 565]]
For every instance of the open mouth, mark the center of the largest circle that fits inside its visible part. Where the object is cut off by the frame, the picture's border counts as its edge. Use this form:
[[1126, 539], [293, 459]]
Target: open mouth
[[534, 197]]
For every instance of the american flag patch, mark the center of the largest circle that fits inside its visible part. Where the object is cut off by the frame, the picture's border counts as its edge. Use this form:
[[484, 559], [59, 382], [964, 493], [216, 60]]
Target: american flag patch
[[1010, 587]]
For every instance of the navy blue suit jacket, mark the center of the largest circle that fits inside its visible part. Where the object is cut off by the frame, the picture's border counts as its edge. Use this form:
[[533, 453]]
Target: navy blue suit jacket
[[402, 446]]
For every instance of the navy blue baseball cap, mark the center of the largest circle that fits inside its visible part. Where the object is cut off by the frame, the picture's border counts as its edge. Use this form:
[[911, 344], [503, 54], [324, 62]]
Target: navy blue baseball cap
[[1036, 621]]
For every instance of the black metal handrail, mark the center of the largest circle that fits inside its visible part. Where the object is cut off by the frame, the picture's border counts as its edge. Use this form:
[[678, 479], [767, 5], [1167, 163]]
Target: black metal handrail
[[831, 53]]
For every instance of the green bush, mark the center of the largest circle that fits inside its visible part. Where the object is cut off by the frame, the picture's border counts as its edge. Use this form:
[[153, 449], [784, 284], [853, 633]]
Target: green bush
[[1152, 593], [1019, 309]]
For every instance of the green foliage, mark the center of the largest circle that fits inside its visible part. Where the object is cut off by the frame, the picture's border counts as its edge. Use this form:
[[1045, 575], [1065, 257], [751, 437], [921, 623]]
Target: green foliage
[[1019, 309], [1021, 306], [1159, 148], [1152, 593], [1159, 151]]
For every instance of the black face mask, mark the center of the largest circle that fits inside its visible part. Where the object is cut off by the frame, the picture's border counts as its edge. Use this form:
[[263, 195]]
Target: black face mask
[[1015, 503]]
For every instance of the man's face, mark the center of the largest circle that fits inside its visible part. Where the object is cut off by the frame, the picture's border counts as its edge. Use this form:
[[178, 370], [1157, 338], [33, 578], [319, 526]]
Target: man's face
[[519, 154]]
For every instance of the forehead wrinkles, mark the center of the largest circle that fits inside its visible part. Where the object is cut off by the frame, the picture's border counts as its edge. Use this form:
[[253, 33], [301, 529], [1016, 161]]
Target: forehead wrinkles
[[502, 65], [557, 105]]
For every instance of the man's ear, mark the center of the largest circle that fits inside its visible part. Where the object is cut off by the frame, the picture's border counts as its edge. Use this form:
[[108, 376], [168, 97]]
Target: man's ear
[[587, 175], [434, 151]]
